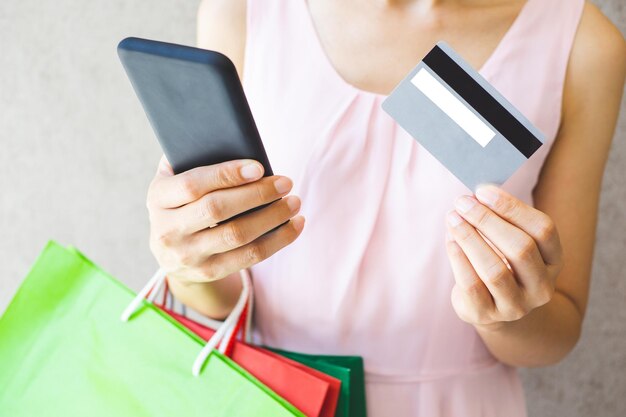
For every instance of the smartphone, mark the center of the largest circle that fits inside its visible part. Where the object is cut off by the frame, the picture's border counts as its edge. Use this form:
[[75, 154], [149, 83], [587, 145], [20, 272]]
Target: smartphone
[[195, 103]]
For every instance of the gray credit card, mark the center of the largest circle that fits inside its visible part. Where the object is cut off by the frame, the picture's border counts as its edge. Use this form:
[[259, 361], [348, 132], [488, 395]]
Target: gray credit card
[[462, 120]]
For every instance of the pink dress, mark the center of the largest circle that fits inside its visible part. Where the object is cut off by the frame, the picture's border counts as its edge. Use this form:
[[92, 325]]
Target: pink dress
[[369, 275]]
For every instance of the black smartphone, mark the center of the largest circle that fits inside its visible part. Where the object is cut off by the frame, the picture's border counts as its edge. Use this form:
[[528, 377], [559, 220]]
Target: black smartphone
[[195, 104]]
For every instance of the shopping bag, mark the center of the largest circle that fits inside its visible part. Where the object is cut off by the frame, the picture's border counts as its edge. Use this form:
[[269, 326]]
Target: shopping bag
[[65, 352], [311, 391], [348, 369]]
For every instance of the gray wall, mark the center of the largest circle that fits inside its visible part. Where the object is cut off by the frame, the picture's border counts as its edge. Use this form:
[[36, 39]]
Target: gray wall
[[77, 155]]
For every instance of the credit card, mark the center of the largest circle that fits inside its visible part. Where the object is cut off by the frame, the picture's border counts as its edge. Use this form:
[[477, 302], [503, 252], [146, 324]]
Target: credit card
[[462, 120]]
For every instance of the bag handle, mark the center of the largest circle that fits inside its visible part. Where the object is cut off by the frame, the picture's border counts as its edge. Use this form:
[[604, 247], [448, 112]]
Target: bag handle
[[228, 342], [153, 283], [244, 320], [227, 328], [224, 333]]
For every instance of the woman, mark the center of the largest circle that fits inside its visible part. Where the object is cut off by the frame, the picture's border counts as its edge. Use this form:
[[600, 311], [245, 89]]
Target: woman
[[440, 322]]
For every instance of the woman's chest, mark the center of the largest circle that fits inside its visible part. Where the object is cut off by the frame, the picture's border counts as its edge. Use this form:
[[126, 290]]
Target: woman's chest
[[372, 48]]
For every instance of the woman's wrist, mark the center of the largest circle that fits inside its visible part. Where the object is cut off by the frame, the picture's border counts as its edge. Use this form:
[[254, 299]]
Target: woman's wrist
[[543, 337], [214, 299]]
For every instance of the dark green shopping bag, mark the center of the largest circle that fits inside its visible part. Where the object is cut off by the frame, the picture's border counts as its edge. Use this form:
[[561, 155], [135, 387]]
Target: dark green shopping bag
[[348, 369], [65, 352]]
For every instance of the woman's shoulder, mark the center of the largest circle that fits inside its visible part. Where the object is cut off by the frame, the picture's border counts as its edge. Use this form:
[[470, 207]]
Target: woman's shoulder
[[596, 68], [599, 48], [222, 27]]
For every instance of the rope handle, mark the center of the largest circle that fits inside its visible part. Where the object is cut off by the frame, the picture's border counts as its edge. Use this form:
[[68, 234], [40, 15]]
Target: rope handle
[[244, 323]]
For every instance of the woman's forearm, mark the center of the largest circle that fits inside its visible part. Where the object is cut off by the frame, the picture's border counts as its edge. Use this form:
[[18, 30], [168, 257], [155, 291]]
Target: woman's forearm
[[213, 299], [543, 337]]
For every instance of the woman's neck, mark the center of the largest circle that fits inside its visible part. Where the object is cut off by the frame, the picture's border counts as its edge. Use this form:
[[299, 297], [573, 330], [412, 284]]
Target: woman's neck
[[437, 3]]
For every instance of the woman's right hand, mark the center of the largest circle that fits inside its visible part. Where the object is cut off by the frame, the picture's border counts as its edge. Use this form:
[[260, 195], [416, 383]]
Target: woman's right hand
[[184, 207]]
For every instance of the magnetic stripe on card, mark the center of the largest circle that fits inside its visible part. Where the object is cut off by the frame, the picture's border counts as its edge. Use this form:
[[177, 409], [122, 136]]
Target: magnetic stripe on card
[[482, 102]]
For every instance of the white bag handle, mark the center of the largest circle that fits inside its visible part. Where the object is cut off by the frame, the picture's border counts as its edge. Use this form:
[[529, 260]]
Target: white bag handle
[[223, 334], [245, 275]]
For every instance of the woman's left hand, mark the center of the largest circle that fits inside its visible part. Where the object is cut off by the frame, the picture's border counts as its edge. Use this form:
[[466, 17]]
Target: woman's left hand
[[505, 279]]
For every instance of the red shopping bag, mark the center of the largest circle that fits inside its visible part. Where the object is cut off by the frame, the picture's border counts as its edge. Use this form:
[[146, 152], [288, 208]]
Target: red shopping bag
[[311, 391]]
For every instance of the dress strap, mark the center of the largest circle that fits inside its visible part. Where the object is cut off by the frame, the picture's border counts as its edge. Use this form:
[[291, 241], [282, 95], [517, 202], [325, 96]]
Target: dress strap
[[535, 58], [544, 36], [274, 37]]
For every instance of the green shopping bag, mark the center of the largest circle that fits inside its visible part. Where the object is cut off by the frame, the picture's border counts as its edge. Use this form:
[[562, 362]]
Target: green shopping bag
[[65, 352], [348, 369]]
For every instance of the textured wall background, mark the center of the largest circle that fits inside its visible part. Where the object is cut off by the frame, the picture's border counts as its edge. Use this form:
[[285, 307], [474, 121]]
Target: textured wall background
[[77, 155]]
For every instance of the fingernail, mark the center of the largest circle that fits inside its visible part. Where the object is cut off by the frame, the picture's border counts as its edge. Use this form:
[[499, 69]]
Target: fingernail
[[298, 223], [464, 203], [293, 203], [251, 171], [453, 218], [487, 195], [282, 185], [449, 237]]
